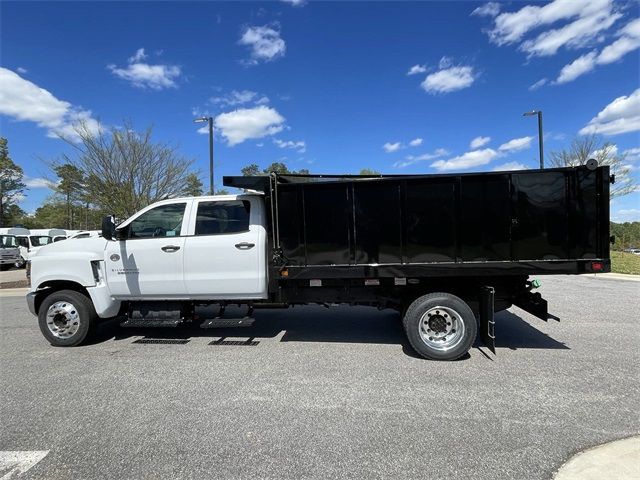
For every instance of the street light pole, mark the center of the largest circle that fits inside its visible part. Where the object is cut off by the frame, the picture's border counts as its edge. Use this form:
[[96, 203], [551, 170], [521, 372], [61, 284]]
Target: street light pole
[[209, 120], [540, 136]]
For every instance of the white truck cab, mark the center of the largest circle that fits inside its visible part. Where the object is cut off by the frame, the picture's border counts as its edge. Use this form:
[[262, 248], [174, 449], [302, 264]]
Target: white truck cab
[[202, 248]]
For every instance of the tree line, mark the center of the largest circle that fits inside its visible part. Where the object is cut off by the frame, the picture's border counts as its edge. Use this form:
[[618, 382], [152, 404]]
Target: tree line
[[118, 171]]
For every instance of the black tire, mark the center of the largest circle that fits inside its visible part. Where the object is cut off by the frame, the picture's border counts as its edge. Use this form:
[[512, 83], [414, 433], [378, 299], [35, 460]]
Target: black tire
[[413, 322], [87, 318], [20, 263]]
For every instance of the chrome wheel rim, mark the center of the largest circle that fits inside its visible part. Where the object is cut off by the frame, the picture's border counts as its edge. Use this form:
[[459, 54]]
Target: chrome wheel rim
[[63, 320], [441, 328]]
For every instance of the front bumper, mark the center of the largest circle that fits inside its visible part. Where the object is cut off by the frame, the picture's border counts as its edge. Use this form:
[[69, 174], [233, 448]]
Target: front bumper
[[8, 261], [31, 303]]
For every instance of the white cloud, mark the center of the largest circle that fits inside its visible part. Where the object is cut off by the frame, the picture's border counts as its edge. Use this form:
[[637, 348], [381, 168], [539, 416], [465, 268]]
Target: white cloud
[[300, 146], [265, 43], [34, 182], [490, 9], [416, 142], [25, 101], [510, 166], [611, 151], [622, 115], [540, 83], [511, 27], [295, 3], [579, 24], [466, 160], [579, 66], [21, 70], [516, 144], [240, 97], [449, 79], [574, 35], [417, 69], [249, 123], [411, 159], [626, 215], [144, 75], [479, 142], [632, 154], [138, 56], [392, 147], [628, 41]]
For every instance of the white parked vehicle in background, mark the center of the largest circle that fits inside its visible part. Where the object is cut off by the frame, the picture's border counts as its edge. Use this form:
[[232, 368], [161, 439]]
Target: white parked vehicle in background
[[28, 242], [56, 234], [9, 252], [85, 234]]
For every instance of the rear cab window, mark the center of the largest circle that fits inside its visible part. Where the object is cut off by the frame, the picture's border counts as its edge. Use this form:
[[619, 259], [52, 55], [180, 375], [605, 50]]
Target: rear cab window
[[222, 217]]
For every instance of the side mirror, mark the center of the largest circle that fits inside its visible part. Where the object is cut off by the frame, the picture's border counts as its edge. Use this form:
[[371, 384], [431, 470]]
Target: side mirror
[[122, 233], [108, 228]]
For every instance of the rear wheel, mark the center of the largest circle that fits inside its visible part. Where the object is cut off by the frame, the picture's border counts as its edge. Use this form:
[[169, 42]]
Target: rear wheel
[[440, 326], [67, 318]]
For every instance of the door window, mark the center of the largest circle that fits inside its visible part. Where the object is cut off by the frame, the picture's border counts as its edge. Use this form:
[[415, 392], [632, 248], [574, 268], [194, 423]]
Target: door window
[[163, 221], [216, 218], [8, 241], [40, 240]]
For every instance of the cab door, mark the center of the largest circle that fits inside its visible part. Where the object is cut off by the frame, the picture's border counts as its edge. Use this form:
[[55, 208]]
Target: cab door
[[149, 260], [225, 255]]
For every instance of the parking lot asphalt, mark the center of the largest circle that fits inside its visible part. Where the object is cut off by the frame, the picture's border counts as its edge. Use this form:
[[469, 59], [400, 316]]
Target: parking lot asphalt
[[325, 393]]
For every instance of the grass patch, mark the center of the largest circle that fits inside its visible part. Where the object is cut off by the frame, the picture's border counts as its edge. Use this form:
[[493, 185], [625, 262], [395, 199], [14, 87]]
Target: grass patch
[[622, 262]]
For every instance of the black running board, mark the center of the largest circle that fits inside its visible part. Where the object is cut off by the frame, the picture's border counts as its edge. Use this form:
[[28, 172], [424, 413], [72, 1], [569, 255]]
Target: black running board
[[144, 323]]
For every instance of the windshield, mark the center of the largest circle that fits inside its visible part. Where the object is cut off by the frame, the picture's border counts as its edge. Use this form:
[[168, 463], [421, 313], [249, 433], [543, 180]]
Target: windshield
[[39, 240], [8, 241]]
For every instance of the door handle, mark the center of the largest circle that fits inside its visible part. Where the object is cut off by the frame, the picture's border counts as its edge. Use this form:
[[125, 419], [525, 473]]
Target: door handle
[[170, 248], [245, 245]]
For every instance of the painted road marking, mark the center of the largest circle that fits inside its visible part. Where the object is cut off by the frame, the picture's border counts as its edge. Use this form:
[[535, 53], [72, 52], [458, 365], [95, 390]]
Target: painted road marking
[[16, 463]]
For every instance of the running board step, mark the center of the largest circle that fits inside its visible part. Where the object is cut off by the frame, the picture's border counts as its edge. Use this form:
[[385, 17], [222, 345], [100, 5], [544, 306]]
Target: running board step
[[228, 322], [144, 323]]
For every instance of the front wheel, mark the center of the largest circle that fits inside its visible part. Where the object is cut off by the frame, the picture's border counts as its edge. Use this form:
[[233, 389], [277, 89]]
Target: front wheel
[[67, 318], [19, 263], [440, 326]]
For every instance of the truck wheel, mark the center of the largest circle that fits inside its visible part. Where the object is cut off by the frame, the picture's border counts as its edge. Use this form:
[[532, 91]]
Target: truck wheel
[[440, 326], [19, 263], [67, 318]]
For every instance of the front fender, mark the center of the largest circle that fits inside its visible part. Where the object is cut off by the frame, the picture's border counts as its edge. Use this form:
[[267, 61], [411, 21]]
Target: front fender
[[73, 267]]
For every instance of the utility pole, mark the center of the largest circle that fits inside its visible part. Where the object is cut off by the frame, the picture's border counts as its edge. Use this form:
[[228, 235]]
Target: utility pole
[[540, 136], [210, 121]]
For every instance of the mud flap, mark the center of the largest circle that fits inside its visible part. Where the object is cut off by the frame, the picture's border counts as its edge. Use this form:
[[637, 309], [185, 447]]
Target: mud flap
[[487, 322]]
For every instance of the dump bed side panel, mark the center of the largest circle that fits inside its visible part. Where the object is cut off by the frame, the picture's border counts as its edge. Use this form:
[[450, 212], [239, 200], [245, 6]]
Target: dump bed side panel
[[551, 221]]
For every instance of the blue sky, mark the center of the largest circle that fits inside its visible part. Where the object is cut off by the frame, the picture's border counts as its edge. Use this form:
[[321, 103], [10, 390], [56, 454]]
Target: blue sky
[[330, 86]]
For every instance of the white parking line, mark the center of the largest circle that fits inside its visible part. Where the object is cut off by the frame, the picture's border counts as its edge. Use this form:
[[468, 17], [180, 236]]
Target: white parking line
[[16, 463]]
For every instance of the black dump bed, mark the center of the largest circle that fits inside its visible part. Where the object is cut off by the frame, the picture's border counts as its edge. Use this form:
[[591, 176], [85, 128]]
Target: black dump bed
[[495, 223]]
